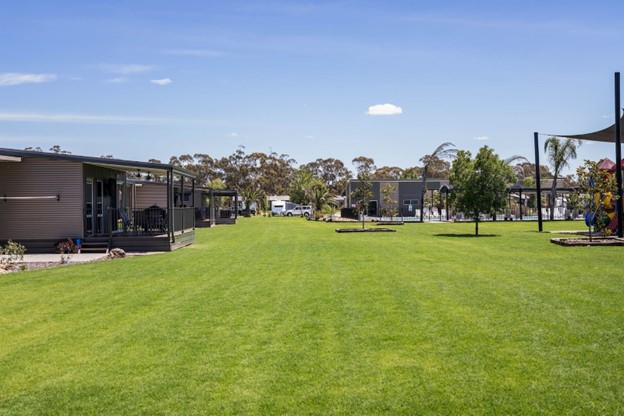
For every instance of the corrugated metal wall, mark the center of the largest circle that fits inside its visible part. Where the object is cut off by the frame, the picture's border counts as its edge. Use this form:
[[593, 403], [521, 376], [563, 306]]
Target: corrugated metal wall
[[41, 219]]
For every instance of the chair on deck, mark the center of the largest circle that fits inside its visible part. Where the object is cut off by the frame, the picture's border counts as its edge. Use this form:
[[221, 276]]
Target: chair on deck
[[155, 219]]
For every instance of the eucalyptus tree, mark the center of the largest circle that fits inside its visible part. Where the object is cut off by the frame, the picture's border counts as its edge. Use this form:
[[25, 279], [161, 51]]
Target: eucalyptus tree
[[201, 164], [331, 171], [446, 150], [388, 172], [238, 170], [559, 153], [274, 172], [364, 166]]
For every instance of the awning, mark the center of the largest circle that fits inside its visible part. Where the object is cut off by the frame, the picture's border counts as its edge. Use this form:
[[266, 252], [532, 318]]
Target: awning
[[605, 135], [606, 164]]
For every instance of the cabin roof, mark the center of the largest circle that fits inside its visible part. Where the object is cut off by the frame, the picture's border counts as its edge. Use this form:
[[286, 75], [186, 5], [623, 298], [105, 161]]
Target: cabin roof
[[120, 164]]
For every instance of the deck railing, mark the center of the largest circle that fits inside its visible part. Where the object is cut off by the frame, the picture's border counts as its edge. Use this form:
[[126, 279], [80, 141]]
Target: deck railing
[[183, 219], [149, 221]]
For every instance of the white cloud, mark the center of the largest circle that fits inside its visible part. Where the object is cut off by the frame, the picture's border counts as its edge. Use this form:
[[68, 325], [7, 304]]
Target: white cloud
[[16, 78], [384, 110], [82, 118], [164, 81], [118, 80], [127, 69], [482, 138]]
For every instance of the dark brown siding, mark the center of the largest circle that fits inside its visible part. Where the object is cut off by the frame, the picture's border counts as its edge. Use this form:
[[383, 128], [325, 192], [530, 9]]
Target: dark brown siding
[[149, 194], [45, 218]]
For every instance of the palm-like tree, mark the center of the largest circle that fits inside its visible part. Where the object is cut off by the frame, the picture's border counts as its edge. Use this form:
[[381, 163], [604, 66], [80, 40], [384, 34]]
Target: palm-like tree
[[446, 150], [318, 193], [250, 195], [515, 163], [559, 153]]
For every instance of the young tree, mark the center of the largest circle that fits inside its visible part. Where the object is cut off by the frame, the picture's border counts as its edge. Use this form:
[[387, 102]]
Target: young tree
[[362, 195], [559, 153], [479, 184], [389, 204]]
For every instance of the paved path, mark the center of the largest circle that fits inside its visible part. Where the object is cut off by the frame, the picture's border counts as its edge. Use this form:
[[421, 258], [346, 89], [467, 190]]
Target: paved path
[[52, 258]]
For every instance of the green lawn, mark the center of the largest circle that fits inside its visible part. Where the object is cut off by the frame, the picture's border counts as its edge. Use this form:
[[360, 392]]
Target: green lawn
[[285, 316]]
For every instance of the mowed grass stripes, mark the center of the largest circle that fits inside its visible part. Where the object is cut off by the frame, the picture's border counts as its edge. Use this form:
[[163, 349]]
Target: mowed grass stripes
[[285, 316]]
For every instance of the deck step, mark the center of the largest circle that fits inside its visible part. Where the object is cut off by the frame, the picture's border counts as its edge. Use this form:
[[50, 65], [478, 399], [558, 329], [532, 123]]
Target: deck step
[[94, 247]]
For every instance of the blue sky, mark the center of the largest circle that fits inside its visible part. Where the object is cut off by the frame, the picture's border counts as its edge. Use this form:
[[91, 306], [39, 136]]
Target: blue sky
[[152, 79]]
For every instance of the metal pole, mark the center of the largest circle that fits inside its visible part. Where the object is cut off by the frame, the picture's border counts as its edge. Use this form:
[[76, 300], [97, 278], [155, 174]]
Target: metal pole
[[538, 184], [618, 155], [171, 205], [423, 193]]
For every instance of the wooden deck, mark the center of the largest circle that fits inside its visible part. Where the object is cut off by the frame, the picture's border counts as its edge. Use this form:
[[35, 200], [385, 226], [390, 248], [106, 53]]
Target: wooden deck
[[126, 242]]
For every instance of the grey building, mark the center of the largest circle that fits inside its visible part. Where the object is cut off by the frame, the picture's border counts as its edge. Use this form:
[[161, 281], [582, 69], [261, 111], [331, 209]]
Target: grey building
[[405, 194]]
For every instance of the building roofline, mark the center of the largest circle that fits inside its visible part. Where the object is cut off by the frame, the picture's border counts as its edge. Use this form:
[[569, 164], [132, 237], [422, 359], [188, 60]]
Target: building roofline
[[116, 163]]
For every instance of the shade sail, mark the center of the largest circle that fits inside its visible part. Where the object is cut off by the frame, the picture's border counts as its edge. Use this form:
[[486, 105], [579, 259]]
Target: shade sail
[[605, 135]]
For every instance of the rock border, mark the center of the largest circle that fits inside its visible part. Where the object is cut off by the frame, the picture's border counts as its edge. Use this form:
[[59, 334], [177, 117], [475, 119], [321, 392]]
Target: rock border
[[583, 241]]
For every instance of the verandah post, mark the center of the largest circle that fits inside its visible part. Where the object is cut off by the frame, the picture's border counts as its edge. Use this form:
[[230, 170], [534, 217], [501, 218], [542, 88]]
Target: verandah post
[[618, 156], [538, 184]]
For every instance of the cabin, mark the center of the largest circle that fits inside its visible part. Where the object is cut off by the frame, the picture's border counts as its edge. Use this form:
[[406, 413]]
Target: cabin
[[105, 203], [215, 206]]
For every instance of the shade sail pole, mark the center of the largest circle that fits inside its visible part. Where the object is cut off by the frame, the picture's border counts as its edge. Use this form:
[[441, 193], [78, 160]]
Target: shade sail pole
[[618, 156], [538, 184]]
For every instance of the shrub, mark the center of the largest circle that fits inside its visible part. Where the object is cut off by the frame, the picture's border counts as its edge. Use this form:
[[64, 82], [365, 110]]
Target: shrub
[[67, 246], [11, 253]]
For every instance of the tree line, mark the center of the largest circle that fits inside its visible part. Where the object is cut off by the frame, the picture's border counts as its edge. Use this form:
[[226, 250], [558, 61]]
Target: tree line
[[257, 175]]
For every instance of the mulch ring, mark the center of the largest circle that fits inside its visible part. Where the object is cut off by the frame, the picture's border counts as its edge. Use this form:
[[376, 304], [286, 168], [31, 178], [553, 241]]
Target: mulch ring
[[585, 241]]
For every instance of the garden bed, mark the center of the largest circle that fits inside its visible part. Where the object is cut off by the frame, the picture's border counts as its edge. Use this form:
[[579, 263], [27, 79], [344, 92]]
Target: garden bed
[[585, 241], [364, 230], [390, 223]]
